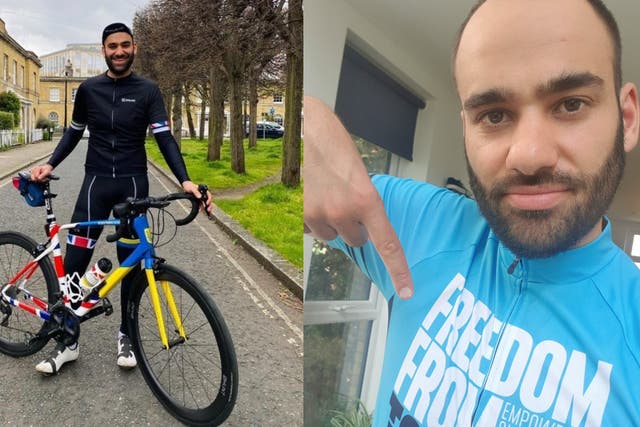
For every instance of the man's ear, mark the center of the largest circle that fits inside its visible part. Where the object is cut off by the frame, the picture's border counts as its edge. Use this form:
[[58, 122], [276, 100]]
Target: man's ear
[[630, 115]]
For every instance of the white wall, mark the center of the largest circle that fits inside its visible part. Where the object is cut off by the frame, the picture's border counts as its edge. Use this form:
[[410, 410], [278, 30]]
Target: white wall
[[438, 149]]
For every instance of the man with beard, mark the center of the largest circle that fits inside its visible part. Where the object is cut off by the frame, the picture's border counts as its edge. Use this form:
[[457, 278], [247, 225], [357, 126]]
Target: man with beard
[[524, 310], [117, 107]]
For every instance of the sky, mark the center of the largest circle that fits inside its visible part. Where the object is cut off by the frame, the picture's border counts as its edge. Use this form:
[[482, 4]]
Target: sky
[[46, 26]]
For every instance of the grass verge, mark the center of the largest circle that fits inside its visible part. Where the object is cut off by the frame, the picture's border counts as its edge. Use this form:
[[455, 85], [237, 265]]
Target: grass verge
[[273, 214], [260, 162]]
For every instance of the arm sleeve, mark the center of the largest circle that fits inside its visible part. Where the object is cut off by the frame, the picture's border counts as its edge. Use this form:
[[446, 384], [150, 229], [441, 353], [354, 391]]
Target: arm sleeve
[[74, 132], [162, 133]]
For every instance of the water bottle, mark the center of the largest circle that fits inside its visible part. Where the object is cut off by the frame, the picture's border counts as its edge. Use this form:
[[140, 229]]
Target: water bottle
[[96, 274]]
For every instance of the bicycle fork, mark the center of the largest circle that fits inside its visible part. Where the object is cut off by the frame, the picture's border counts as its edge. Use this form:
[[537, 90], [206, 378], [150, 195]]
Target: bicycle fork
[[157, 308]]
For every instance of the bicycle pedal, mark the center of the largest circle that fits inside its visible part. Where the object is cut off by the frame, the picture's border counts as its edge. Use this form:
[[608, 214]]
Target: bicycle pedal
[[108, 308]]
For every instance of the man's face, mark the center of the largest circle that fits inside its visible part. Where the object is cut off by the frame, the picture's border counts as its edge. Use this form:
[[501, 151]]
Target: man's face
[[544, 136], [119, 52]]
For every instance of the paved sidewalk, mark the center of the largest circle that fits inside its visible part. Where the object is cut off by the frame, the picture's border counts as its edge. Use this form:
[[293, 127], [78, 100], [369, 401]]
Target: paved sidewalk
[[24, 156], [20, 157]]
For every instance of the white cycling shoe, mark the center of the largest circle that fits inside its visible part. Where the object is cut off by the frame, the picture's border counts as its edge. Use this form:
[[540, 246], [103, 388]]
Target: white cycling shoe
[[61, 355], [126, 358]]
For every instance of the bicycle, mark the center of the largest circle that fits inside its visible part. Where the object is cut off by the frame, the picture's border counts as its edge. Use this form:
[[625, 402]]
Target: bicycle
[[180, 340]]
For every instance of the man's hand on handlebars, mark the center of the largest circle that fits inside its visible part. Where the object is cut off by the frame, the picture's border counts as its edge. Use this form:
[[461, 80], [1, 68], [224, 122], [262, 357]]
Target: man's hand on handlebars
[[194, 189], [41, 172]]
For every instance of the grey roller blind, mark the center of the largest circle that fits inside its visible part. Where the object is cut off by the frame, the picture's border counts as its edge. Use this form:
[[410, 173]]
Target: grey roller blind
[[375, 107]]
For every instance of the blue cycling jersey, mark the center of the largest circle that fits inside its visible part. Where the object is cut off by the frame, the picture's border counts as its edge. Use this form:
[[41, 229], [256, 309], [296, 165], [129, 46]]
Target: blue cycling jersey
[[547, 342]]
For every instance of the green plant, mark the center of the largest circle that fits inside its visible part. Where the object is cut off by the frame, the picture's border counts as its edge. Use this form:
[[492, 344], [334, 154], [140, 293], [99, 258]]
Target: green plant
[[43, 123], [10, 103], [6, 120], [354, 416]]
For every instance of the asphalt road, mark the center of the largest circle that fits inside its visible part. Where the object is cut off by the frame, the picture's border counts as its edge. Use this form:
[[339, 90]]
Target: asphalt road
[[264, 318]]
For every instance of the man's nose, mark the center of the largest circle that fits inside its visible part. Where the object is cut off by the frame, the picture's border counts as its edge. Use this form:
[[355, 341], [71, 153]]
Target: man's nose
[[534, 146]]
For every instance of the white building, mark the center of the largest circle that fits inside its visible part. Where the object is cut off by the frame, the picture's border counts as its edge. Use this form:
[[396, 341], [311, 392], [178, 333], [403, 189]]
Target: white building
[[87, 60]]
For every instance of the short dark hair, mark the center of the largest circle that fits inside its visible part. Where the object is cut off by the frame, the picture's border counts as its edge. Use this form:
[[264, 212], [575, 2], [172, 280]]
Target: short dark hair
[[116, 27], [601, 10]]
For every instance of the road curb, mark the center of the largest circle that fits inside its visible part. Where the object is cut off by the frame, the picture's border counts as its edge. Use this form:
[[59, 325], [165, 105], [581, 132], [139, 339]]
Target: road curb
[[282, 269]]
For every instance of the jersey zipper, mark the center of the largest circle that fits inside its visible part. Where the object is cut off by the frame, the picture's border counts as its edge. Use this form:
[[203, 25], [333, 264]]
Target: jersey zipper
[[522, 285], [113, 127]]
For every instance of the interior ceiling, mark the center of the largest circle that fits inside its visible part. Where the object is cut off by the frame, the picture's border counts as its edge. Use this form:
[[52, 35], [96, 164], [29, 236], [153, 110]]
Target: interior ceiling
[[434, 23]]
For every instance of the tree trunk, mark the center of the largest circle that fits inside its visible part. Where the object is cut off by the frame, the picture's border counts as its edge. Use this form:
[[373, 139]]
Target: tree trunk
[[237, 122], [216, 113], [253, 110], [187, 107], [291, 141], [177, 114], [203, 118]]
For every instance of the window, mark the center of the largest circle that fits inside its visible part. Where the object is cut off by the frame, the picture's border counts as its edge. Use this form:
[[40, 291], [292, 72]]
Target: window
[[54, 94], [73, 94], [278, 119], [5, 68], [21, 77], [34, 81], [14, 74], [344, 314], [277, 98], [635, 249], [53, 116]]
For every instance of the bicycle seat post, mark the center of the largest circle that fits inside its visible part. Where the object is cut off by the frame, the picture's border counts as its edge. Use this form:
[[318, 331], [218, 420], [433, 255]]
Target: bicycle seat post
[[51, 218]]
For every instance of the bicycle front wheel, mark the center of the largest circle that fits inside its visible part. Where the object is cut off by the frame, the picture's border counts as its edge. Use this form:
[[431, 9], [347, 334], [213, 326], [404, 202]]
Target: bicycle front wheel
[[18, 327], [196, 379]]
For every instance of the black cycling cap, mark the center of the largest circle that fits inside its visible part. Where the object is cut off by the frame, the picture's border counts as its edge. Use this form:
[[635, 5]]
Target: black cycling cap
[[116, 27]]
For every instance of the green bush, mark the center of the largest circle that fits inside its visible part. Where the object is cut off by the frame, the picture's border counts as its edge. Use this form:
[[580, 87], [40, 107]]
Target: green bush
[[43, 123], [10, 103], [6, 120]]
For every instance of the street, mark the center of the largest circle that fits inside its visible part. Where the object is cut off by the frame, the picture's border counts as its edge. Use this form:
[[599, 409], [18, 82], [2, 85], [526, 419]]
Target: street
[[264, 318]]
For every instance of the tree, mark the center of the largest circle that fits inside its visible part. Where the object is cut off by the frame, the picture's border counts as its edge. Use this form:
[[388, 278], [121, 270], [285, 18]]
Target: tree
[[291, 152], [10, 103]]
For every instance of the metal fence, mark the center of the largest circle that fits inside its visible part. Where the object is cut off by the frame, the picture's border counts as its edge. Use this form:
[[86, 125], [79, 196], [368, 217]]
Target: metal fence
[[9, 138]]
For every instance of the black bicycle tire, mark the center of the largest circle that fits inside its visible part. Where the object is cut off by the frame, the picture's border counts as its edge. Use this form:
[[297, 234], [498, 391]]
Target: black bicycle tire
[[21, 349], [223, 404]]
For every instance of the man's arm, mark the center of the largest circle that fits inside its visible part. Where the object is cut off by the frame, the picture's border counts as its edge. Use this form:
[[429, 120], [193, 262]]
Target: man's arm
[[69, 140], [169, 147], [339, 198]]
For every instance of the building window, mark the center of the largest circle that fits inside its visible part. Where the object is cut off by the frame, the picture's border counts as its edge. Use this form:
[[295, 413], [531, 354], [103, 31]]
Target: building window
[[278, 119], [54, 94], [34, 81], [14, 77], [277, 98], [5, 68], [21, 82], [53, 116], [73, 94]]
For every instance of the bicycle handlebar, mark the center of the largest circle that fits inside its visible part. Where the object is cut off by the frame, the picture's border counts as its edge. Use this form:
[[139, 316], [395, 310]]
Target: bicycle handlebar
[[135, 207]]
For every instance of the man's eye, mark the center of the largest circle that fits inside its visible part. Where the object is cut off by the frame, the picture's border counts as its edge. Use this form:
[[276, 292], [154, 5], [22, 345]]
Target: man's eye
[[493, 117], [572, 105]]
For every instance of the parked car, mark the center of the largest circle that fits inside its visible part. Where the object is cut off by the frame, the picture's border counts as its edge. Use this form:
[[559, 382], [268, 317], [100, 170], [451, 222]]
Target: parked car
[[267, 130]]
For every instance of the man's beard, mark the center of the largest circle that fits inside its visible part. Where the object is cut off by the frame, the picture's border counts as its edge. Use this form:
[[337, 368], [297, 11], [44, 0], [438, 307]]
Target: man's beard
[[544, 233], [124, 69]]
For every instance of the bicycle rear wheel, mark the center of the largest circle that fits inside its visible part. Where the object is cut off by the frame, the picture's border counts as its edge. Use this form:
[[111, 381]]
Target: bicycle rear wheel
[[195, 379], [18, 327]]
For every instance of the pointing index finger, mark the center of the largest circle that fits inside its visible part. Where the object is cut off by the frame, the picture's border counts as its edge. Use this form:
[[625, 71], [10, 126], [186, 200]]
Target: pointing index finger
[[386, 241]]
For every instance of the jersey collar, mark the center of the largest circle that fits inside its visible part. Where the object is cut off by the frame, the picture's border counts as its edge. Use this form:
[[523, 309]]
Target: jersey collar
[[571, 266]]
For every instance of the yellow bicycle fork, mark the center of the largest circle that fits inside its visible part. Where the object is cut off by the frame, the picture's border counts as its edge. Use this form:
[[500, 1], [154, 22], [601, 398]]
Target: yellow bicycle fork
[[113, 279]]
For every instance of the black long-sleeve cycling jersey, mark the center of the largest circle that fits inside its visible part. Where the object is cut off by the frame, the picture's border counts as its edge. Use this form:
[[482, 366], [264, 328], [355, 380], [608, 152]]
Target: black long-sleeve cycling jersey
[[118, 113]]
